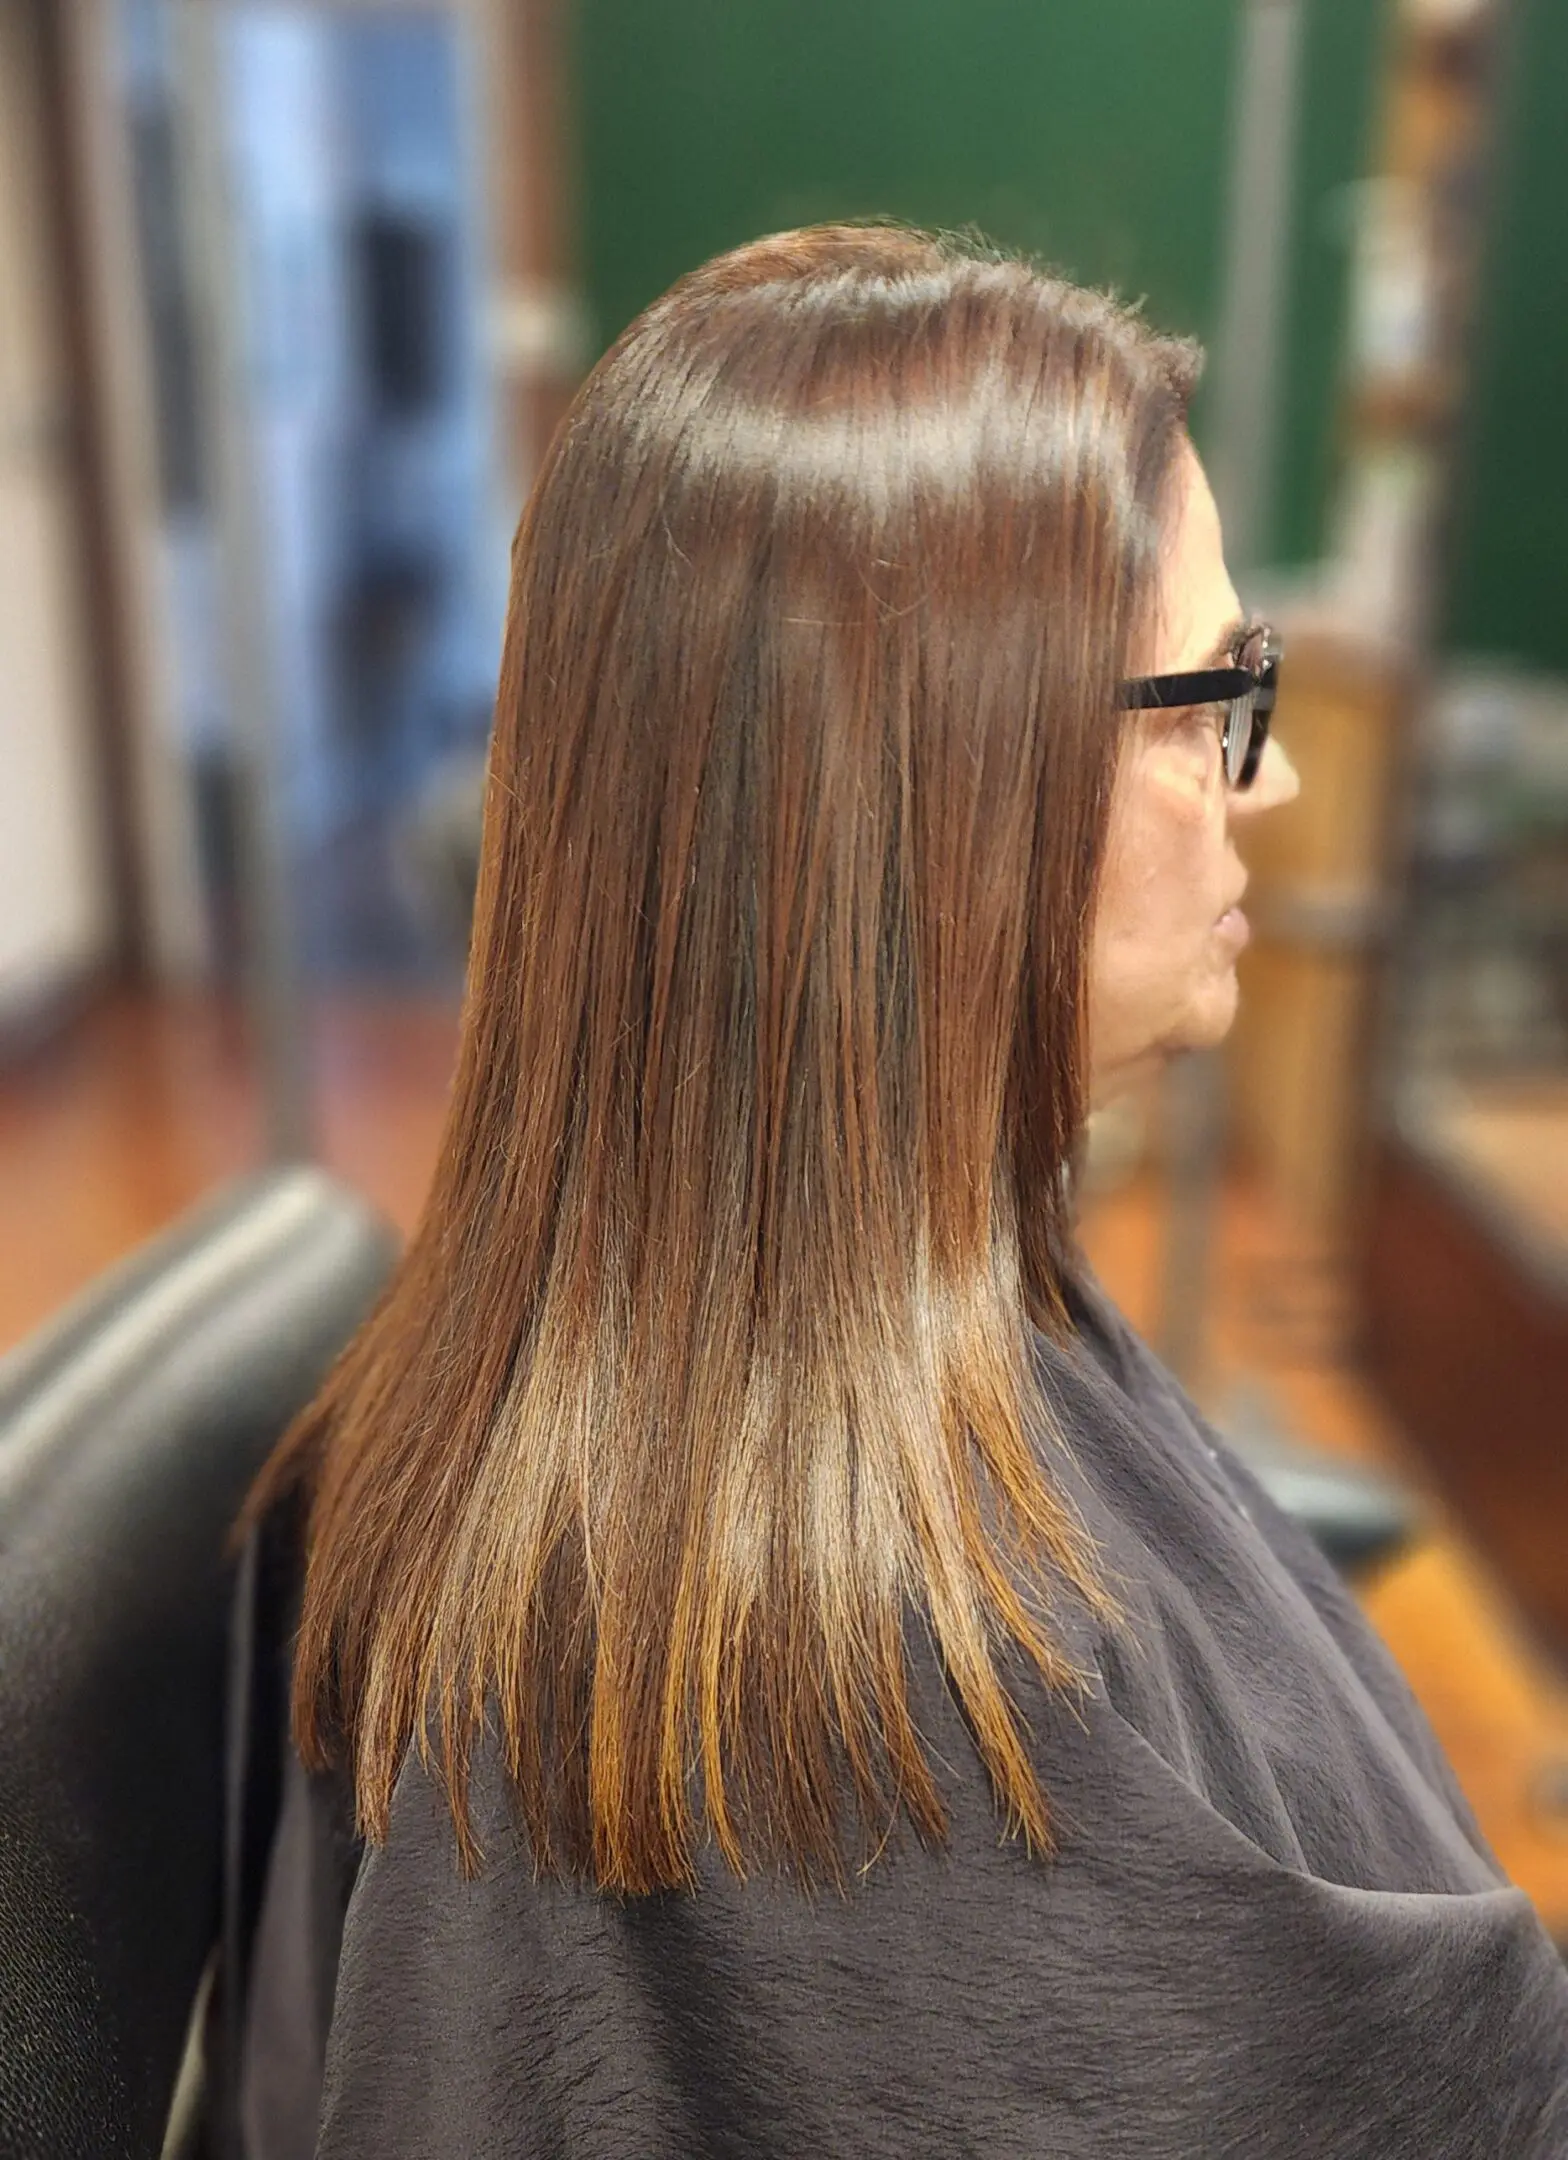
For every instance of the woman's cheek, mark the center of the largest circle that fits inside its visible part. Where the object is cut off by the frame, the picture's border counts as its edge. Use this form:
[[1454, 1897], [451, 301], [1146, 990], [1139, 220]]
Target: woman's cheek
[[1181, 775]]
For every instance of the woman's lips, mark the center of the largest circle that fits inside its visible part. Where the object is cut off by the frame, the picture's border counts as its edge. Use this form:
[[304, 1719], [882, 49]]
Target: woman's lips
[[1234, 926]]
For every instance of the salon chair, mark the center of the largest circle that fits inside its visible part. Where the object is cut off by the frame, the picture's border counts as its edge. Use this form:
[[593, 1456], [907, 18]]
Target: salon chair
[[133, 1649], [130, 1429]]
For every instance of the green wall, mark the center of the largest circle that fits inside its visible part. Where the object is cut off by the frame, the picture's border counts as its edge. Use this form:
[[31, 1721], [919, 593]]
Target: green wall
[[1509, 571], [1341, 54], [1093, 132]]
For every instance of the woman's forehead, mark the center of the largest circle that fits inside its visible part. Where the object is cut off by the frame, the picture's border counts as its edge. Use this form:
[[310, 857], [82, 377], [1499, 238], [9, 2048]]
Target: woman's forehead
[[1199, 608]]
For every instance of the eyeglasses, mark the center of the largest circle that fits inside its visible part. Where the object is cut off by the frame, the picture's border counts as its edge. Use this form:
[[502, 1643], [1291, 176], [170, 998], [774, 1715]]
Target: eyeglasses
[[1246, 689]]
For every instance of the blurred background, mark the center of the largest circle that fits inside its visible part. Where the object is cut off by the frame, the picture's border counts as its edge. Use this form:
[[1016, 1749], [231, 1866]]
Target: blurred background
[[291, 296]]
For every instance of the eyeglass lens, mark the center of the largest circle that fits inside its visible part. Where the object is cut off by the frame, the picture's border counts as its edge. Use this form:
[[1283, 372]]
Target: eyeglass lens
[[1238, 735], [1241, 721]]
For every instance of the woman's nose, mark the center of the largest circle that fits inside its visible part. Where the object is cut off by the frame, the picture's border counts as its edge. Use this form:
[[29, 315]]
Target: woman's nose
[[1276, 782]]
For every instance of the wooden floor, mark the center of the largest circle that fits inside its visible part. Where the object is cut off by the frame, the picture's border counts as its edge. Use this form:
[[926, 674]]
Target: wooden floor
[[140, 1110], [1514, 1134], [118, 1127]]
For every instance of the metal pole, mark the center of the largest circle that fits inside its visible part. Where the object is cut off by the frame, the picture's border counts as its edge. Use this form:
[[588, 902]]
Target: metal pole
[[270, 955], [1243, 437], [1194, 1136], [1241, 464]]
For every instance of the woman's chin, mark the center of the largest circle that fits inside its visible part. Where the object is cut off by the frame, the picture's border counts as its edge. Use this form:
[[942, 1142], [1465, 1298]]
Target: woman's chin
[[1201, 1022], [1212, 1013]]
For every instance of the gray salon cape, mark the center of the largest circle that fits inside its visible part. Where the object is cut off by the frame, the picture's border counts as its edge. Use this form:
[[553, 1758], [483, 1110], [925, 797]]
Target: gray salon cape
[[1271, 1927]]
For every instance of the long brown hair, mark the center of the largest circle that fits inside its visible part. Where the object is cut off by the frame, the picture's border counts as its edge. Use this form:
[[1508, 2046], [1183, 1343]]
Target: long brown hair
[[708, 1362]]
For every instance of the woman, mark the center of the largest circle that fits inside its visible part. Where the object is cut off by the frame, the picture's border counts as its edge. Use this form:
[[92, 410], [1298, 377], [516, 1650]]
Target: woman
[[807, 1681]]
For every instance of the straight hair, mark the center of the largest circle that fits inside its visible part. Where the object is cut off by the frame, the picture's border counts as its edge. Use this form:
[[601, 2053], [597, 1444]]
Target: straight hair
[[709, 1361]]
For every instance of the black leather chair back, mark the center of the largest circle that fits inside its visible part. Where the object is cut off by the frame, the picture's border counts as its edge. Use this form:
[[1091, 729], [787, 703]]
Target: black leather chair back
[[129, 1432]]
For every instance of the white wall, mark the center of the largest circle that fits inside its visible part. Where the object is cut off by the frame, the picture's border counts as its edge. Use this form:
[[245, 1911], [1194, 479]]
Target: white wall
[[53, 895]]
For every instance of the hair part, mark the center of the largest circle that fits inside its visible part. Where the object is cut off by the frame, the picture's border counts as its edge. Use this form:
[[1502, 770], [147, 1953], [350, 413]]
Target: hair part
[[709, 1360]]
